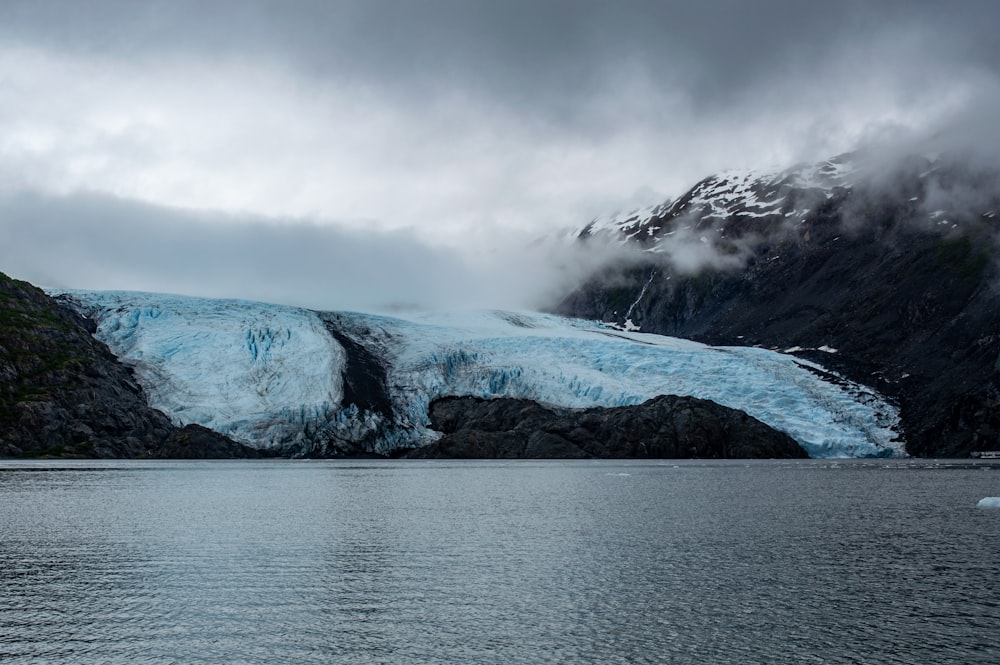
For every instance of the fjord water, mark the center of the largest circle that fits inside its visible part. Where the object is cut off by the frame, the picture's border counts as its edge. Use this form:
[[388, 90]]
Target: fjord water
[[491, 562]]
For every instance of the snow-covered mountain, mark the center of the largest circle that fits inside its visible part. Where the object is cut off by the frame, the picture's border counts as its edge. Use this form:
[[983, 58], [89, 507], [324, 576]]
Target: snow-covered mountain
[[731, 203], [308, 383], [891, 259]]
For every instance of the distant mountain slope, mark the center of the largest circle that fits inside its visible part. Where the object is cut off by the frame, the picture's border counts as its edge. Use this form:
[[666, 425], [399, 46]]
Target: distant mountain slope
[[62, 392], [894, 268], [732, 205]]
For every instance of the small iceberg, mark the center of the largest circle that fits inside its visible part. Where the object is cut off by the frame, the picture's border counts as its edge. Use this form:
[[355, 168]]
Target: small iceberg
[[989, 502]]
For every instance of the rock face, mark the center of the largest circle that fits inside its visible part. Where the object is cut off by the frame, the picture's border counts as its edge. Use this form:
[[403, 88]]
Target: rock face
[[898, 275], [197, 442], [63, 394], [663, 427]]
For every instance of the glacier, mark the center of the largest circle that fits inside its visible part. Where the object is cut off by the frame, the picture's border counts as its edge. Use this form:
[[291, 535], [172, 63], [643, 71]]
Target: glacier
[[273, 376], [254, 372]]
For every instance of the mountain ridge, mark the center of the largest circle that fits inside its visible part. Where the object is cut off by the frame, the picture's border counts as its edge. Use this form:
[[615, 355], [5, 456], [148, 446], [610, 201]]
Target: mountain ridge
[[895, 270]]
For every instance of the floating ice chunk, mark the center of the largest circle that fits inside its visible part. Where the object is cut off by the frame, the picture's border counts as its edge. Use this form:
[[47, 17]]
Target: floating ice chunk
[[989, 502]]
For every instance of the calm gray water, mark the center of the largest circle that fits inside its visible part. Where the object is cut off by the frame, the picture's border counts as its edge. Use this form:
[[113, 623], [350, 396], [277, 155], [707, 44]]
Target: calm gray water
[[489, 562]]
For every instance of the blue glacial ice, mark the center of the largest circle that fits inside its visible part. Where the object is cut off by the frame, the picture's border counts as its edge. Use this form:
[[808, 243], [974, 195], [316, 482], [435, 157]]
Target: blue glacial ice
[[270, 375], [255, 372]]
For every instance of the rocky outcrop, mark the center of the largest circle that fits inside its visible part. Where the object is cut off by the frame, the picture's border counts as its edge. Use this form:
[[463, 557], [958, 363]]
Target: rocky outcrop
[[63, 394], [663, 427], [898, 276], [197, 442]]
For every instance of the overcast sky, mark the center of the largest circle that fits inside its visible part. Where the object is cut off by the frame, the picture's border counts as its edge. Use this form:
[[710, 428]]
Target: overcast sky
[[256, 132]]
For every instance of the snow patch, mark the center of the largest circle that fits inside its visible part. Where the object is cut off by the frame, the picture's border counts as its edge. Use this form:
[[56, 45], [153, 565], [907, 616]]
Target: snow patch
[[733, 194], [628, 321], [797, 349]]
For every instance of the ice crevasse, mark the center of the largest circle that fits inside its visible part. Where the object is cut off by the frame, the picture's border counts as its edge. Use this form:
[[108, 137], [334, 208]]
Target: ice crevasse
[[273, 376]]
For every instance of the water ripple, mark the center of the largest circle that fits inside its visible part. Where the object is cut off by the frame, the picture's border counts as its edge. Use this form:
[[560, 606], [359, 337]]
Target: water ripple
[[594, 562]]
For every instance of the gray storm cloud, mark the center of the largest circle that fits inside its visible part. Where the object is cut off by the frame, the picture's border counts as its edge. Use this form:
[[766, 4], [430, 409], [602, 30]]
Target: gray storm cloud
[[550, 52], [98, 242], [456, 129]]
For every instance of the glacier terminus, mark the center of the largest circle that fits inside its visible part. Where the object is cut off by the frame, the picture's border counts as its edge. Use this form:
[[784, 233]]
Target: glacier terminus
[[304, 383]]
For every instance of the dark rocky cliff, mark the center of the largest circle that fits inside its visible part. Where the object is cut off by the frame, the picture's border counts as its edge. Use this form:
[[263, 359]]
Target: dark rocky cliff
[[62, 393], [899, 276], [663, 427]]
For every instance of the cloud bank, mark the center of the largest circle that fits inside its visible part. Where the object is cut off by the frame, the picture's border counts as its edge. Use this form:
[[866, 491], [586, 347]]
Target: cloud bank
[[452, 126], [97, 242]]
